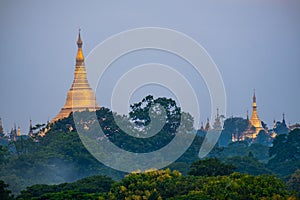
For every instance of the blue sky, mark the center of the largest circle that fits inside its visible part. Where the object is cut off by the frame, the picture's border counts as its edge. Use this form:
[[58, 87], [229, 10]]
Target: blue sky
[[255, 44]]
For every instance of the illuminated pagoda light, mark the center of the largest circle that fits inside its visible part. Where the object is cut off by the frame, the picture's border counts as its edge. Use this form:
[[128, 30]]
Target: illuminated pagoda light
[[254, 120], [19, 131], [80, 96]]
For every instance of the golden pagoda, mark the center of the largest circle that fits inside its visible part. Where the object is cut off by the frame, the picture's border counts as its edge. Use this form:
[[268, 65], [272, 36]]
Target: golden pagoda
[[254, 120], [80, 96], [19, 131]]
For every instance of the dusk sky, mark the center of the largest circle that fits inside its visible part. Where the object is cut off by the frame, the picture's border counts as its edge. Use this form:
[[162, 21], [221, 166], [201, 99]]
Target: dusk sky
[[255, 44]]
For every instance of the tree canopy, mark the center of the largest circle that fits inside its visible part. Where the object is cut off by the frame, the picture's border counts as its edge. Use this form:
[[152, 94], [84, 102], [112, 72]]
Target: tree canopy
[[285, 153], [210, 167], [60, 157]]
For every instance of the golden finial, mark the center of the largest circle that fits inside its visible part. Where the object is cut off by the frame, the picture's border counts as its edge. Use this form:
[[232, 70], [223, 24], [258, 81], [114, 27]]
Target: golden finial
[[254, 96], [79, 41], [79, 57]]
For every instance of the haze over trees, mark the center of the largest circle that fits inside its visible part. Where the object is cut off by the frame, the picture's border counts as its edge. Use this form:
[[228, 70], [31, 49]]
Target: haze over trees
[[164, 184], [59, 166]]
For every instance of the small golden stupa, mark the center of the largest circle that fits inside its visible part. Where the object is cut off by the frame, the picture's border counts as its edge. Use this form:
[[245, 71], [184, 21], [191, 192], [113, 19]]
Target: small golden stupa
[[254, 120]]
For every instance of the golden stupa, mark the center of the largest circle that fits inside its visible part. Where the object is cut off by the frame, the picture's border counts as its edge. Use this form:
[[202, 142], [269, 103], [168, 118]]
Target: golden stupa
[[254, 120], [80, 96]]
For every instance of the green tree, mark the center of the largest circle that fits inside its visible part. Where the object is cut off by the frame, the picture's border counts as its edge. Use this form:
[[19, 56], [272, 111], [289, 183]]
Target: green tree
[[241, 149], [82, 189], [248, 164], [264, 138], [210, 167], [141, 112], [294, 182], [164, 184], [4, 192], [156, 111], [182, 167], [158, 184], [285, 153], [4, 155], [232, 125], [237, 186]]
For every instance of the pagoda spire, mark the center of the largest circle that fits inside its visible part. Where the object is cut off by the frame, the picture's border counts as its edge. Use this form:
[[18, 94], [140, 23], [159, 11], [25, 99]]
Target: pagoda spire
[[1, 127], [254, 96], [79, 41], [30, 128], [217, 125], [283, 118], [207, 126], [255, 121], [254, 106], [202, 127], [80, 96], [79, 56], [19, 131]]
